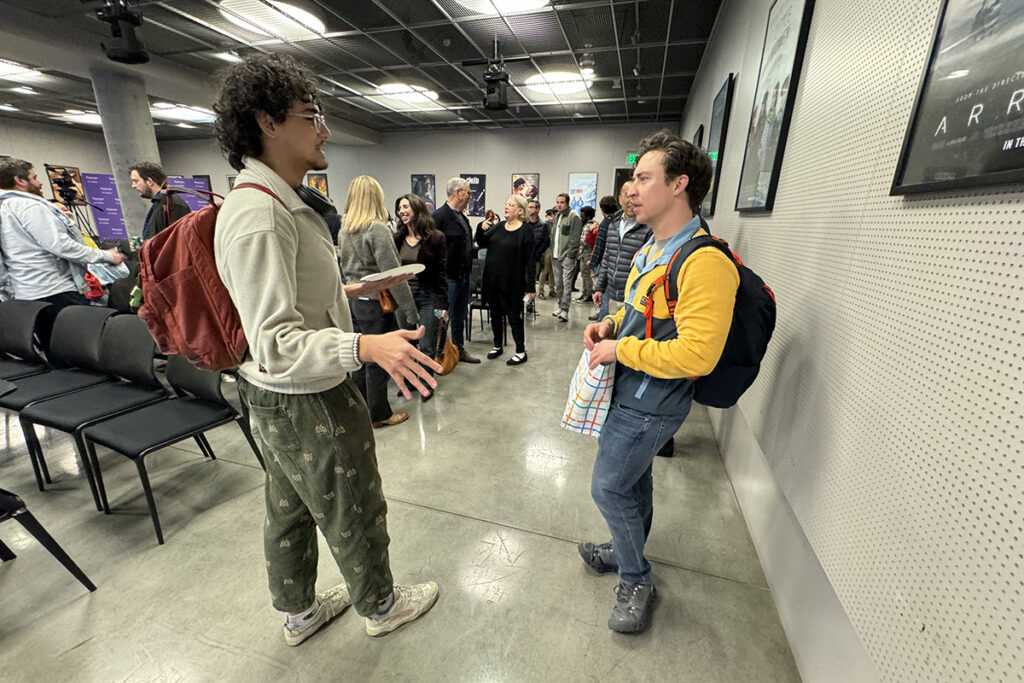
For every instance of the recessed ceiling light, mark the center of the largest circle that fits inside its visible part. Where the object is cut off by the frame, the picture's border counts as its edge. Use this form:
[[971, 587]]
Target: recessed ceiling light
[[502, 6], [557, 83], [73, 111], [24, 90], [227, 56], [411, 95], [182, 112], [13, 71], [184, 125], [7, 107], [86, 118], [272, 18]]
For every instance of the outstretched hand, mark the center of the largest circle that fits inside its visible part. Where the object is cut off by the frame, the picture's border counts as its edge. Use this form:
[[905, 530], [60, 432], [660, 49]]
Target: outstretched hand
[[400, 359]]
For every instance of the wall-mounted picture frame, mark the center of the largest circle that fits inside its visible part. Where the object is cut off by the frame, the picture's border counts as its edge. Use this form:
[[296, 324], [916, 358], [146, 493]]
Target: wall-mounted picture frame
[[423, 186], [698, 136], [318, 181], [477, 193], [717, 130], [526, 185], [65, 173], [785, 39], [967, 125], [231, 181], [582, 190]]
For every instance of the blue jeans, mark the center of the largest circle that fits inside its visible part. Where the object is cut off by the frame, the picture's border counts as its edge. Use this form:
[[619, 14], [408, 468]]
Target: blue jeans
[[458, 301], [622, 485], [425, 303], [602, 310]]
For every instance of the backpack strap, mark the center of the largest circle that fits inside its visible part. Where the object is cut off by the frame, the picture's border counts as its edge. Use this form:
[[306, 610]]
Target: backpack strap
[[669, 280], [266, 190]]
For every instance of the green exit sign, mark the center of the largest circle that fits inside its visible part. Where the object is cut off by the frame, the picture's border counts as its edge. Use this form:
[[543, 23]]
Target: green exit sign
[[631, 158]]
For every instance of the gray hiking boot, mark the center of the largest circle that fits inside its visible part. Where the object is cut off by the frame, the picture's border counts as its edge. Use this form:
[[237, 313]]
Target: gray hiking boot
[[633, 606], [600, 557]]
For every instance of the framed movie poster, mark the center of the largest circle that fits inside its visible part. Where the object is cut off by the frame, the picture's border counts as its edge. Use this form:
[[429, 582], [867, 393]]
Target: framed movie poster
[[477, 193], [318, 181], [231, 181], [698, 136], [621, 176], [526, 185], [423, 187], [967, 128], [582, 190], [789, 21], [719, 126]]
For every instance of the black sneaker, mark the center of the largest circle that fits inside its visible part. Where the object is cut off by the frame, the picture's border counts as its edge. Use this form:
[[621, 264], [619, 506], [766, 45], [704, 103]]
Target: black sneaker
[[600, 557], [632, 609]]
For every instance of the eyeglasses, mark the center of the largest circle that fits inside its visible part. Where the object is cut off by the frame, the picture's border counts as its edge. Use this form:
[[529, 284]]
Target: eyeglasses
[[319, 121]]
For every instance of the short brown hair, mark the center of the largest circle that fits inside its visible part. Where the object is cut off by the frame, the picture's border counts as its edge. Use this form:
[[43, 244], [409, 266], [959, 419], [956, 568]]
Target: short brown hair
[[681, 158], [147, 170], [11, 169]]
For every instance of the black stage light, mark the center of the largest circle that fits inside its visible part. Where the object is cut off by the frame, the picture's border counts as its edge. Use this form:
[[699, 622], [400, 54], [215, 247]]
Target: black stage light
[[495, 89], [126, 48]]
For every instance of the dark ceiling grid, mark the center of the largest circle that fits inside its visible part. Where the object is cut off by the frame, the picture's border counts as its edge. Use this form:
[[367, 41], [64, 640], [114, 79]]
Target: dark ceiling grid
[[575, 60], [664, 57], [441, 86], [488, 54], [297, 46], [618, 53]]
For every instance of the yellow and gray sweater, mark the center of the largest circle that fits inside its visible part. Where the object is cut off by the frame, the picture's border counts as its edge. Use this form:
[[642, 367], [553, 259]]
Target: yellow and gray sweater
[[655, 375]]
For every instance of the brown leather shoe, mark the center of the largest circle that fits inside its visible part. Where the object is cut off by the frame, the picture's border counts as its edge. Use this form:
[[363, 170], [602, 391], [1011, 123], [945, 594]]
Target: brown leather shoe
[[395, 419], [464, 357]]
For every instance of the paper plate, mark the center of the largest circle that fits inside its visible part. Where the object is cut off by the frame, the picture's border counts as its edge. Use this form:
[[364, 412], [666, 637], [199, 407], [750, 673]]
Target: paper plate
[[412, 268]]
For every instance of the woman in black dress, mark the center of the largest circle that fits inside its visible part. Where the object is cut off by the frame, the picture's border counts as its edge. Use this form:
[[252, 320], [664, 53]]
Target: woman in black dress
[[507, 278]]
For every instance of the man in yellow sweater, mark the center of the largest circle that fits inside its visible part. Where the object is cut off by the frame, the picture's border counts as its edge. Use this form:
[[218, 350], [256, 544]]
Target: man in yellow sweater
[[655, 363]]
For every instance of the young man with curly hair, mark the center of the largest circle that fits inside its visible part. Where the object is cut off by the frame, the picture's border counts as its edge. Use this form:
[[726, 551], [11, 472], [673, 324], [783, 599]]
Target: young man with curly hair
[[654, 367], [275, 255]]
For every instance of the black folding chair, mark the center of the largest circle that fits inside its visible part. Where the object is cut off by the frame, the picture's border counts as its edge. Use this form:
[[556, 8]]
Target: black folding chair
[[19, 356], [74, 353], [126, 352], [200, 407], [13, 507]]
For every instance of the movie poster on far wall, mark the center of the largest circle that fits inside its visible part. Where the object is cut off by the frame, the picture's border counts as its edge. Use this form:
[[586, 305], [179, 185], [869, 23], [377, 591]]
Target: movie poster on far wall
[[423, 187], [526, 185], [477, 193], [582, 190]]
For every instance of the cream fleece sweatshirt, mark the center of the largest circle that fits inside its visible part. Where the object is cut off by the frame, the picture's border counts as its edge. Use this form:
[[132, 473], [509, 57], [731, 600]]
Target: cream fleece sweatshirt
[[281, 270]]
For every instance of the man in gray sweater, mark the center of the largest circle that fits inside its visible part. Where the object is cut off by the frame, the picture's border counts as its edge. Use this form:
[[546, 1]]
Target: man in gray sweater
[[275, 256]]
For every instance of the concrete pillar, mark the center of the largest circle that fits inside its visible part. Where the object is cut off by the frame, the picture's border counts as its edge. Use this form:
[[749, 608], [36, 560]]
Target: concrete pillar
[[128, 130]]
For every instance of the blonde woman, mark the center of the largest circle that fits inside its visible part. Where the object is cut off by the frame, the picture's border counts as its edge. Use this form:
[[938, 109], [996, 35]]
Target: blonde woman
[[367, 247], [507, 275]]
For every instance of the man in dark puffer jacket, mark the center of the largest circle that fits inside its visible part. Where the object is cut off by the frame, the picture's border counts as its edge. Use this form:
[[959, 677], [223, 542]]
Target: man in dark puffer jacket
[[624, 238]]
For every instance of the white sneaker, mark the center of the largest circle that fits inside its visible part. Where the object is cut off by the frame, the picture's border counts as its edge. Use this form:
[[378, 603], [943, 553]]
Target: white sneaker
[[411, 602], [333, 602], [563, 316]]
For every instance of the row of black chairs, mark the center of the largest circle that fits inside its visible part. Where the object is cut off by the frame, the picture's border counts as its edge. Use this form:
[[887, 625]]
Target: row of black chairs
[[97, 383]]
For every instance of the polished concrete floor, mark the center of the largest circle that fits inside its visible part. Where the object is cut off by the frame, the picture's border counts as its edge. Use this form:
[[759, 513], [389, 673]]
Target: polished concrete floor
[[487, 496]]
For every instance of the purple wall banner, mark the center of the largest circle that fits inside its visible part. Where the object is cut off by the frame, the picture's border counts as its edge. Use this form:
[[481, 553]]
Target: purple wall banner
[[102, 193], [194, 203]]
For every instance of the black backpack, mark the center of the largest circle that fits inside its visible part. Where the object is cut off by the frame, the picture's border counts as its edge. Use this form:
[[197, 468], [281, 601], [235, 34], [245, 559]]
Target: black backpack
[[753, 321]]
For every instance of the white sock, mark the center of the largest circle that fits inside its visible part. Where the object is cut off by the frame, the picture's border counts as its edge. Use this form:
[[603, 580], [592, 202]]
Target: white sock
[[294, 621]]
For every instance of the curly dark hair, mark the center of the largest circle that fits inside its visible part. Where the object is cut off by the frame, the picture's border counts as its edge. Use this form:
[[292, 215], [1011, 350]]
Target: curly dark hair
[[270, 83], [681, 158], [587, 214], [421, 217]]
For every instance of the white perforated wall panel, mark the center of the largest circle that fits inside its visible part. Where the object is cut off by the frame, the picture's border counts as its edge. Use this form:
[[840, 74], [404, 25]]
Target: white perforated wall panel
[[889, 406]]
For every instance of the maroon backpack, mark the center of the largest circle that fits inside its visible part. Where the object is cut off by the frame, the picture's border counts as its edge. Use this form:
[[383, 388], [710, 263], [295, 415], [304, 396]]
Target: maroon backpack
[[185, 304]]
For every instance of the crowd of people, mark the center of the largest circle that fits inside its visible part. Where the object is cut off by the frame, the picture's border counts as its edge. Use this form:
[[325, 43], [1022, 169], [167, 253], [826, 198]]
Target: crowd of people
[[326, 334]]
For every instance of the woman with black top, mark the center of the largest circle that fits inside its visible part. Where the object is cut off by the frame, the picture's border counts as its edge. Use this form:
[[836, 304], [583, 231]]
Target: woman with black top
[[507, 277], [419, 241]]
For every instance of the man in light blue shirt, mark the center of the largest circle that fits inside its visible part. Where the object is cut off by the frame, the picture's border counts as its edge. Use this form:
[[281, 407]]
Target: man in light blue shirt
[[41, 260]]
